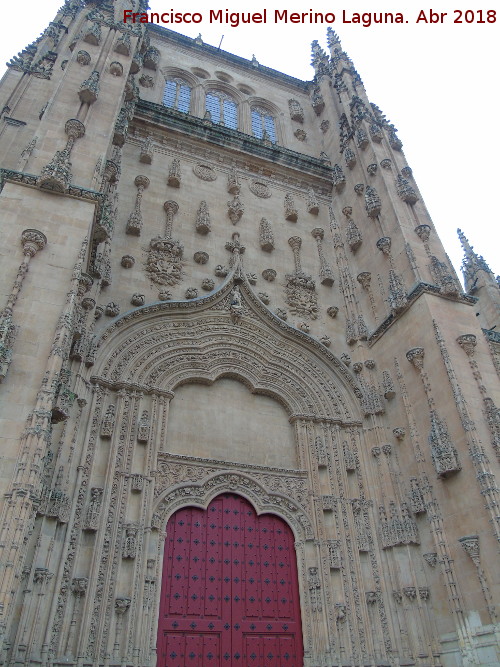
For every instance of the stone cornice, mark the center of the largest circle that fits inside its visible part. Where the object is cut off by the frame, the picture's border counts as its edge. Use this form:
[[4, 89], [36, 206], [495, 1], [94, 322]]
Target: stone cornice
[[419, 289], [206, 49], [231, 139], [30, 180], [492, 336], [224, 465], [130, 387]]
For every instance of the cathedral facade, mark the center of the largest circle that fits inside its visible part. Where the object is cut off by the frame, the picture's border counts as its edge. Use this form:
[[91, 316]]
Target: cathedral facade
[[248, 412]]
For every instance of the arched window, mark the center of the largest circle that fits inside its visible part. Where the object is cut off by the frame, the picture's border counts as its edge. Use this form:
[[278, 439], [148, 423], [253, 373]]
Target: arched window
[[222, 108], [263, 121], [177, 95]]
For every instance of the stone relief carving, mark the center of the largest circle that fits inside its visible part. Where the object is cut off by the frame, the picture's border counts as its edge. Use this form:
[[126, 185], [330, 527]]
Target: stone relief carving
[[164, 261], [203, 224], [260, 189], [174, 174], [300, 289], [205, 172], [266, 237], [290, 208], [296, 111], [235, 209], [92, 517]]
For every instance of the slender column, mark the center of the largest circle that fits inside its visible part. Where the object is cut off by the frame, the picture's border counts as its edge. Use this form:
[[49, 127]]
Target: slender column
[[32, 241], [325, 271]]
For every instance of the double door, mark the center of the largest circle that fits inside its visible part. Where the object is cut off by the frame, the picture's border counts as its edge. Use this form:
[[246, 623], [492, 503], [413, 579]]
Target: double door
[[229, 593]]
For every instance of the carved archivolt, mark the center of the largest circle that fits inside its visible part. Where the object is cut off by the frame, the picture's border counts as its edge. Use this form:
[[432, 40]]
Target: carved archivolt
[[160, 347], [200, 494]]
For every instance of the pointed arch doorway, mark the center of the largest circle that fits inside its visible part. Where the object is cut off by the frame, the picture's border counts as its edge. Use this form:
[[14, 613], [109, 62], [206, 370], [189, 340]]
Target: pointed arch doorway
[[229, 594]]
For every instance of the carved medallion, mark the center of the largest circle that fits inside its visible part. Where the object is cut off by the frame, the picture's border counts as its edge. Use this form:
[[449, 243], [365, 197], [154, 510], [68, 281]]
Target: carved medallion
[[205, 172]]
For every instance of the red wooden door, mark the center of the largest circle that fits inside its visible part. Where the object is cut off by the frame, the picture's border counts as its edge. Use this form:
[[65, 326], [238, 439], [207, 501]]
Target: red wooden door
[[229, 595]]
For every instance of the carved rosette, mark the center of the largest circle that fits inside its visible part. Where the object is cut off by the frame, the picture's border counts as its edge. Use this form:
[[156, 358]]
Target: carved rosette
[[260, 189], [205, 172]]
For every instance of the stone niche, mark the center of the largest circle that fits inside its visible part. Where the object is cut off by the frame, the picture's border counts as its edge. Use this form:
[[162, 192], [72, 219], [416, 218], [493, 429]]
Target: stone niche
[[224, 421]]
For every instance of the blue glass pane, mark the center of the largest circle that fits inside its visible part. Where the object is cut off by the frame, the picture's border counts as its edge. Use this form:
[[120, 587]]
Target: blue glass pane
[[212, 104], [169, 94], [270, 129], [256, 124], [230, 115], [184, 98]]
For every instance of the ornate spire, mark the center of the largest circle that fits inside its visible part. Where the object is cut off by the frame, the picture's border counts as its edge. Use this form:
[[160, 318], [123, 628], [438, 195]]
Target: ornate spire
[[471, 264]]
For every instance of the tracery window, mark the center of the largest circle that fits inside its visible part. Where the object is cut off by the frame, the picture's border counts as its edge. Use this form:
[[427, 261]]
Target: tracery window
[[263, 121], [222, 108], [177, 95]]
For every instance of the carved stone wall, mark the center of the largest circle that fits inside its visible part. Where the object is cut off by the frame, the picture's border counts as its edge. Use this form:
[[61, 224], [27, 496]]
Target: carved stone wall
[[211, 311]]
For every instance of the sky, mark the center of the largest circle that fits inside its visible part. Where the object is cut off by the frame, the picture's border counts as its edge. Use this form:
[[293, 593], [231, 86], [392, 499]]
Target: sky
[[437, 82]]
